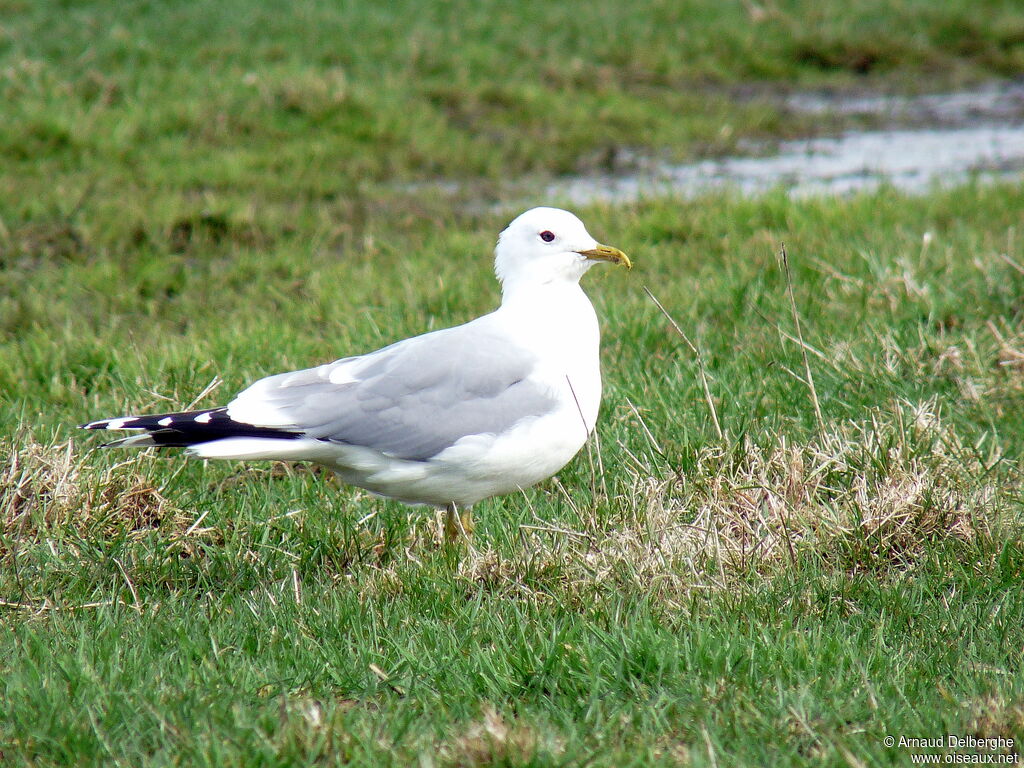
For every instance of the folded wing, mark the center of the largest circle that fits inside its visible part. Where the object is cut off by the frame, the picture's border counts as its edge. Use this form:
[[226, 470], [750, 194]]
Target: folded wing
[[410, 400]]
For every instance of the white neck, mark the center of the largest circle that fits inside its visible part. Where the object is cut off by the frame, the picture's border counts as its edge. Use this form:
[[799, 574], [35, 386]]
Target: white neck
[[558, 316], [530, 287]]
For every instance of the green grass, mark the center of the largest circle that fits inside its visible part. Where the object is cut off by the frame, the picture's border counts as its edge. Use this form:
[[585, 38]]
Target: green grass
[[785, 592], [798, 596], [179, 104]]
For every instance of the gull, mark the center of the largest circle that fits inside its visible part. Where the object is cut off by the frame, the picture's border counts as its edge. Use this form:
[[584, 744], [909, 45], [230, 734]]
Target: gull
[[446, 418]]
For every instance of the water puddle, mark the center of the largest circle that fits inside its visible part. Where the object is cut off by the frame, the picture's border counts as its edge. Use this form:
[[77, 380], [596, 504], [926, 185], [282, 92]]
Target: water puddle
[[989, 103], [913, 160], [936, 140]]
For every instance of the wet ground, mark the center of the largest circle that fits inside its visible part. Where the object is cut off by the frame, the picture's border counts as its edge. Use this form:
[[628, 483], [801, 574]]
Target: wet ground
[[928, 141]]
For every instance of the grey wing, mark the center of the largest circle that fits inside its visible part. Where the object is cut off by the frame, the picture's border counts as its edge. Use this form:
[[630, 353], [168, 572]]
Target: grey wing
[[410, 400]]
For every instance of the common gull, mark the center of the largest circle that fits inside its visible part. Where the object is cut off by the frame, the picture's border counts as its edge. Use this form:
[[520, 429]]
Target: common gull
[[446, 418]]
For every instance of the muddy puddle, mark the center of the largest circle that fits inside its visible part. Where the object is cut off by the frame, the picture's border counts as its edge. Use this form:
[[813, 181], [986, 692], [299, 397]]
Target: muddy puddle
[[927, 141], [911, 160], [934, 140]]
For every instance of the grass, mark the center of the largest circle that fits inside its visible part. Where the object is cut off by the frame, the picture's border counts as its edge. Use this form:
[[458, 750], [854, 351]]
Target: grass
[[797, 580], [776, 589], [163, 106]]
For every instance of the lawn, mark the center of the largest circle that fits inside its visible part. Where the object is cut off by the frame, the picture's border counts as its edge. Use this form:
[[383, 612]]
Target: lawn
[[818, 548]]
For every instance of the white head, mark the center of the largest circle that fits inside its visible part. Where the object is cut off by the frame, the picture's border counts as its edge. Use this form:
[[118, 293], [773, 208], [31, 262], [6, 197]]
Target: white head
[[546, 245]]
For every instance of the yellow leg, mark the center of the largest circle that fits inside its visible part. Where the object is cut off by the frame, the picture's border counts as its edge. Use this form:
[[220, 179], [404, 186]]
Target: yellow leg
[[456, 525]]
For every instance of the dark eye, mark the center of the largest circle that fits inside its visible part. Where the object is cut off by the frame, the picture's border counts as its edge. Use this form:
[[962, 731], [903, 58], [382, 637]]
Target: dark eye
[[547, 236]]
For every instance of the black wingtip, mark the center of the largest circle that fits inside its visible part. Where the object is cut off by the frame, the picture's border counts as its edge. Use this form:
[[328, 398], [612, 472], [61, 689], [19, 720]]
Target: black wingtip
[[185, 428], [99, 424]]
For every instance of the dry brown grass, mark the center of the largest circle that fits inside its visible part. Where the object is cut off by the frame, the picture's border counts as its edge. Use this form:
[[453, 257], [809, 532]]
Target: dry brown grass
[[862, 496], [997, 715], [45, 489], [497, 740], [873, 493]]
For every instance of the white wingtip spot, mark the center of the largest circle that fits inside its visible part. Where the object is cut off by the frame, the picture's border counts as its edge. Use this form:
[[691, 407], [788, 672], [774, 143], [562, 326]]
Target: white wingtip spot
[[118, 423], [165, 422], [204, 418]]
